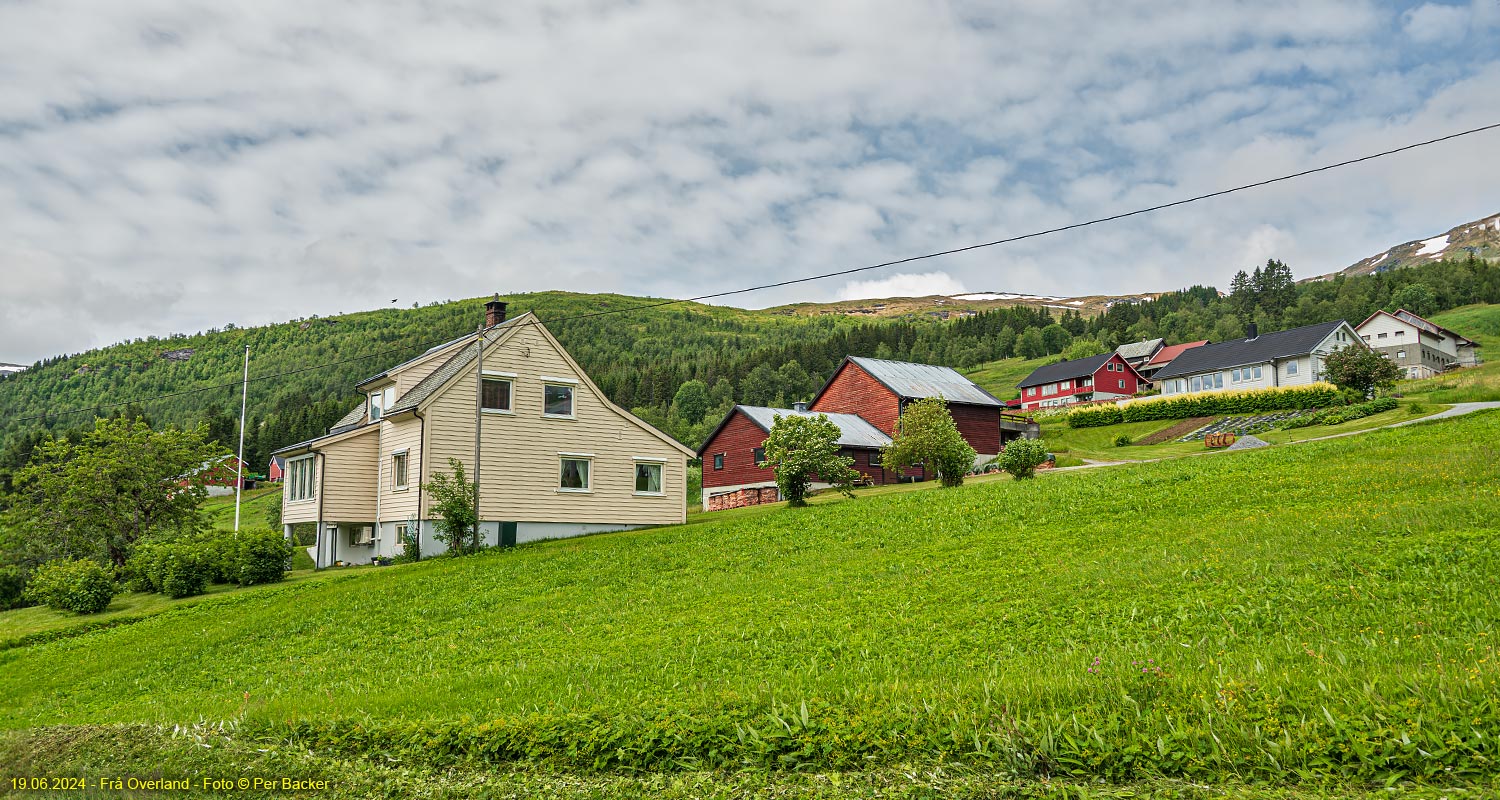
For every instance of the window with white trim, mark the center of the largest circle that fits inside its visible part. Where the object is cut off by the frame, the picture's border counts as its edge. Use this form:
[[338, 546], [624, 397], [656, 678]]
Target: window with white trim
[[301, 478], [496, 393], [403, 529], [1291, 366], [648, 476], [557, 400], [1122, 383], [398, 469], [573, 475]]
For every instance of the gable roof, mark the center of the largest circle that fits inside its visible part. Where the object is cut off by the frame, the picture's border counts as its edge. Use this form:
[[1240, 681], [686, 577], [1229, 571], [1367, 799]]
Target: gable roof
[[854, 430], [1421, 323], [353, 419], [1238, 352], [414, 359], [1166, 354], [1066, 370], [429, 385], [1141, 349], [919, 381]]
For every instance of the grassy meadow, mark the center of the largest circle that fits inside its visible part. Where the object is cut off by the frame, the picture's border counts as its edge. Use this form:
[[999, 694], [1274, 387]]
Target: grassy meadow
[[1274, 618]]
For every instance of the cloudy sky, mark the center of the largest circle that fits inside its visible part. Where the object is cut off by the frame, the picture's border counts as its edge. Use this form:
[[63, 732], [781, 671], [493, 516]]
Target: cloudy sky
[[172, 165]]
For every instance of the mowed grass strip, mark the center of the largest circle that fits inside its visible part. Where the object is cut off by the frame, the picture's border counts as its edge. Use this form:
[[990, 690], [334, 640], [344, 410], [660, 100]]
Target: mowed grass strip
[[1324, 611]]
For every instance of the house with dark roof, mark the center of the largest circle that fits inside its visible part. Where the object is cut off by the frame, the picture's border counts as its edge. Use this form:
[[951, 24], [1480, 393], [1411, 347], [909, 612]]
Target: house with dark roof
[[552, 456], [865, 398], [1164, 356], [1257, 361], [1107, 376], [1421, 348]]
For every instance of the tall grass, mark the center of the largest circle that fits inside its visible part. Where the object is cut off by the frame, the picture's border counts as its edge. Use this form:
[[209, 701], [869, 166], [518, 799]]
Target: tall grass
[[1278, 614]]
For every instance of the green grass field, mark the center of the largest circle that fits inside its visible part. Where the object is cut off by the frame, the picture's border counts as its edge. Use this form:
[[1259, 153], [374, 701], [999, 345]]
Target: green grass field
[[1277, 618], [999, 378]]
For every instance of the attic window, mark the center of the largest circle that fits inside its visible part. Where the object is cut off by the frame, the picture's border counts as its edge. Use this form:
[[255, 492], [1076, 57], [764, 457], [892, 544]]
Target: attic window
[[557, 400], [495, 394]]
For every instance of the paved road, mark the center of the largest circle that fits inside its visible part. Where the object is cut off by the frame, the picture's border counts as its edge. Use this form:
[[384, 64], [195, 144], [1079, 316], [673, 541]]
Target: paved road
[[1458, 410]]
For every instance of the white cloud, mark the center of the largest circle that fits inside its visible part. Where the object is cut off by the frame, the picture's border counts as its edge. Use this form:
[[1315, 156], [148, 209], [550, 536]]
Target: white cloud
[[206, 163], [906, 284], [1435, 22]]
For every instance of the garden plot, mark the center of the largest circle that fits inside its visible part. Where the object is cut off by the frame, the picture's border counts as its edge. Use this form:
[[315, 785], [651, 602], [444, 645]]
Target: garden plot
[[1241, 426]]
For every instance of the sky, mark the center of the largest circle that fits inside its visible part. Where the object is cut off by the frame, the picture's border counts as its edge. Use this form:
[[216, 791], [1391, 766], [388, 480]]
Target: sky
[[174, 165]]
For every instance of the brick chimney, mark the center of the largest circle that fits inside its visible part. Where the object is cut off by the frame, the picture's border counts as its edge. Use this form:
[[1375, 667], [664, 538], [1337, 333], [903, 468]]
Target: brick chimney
[[494, 312], [1251, 331]]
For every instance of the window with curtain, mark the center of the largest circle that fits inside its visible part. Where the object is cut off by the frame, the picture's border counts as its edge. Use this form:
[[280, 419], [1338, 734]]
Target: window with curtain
[[574, 475], [398, 470], [647, 477]]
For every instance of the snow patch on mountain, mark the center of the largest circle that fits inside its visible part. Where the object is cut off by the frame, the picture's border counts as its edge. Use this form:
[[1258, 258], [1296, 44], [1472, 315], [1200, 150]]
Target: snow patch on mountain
[[1434, 246]]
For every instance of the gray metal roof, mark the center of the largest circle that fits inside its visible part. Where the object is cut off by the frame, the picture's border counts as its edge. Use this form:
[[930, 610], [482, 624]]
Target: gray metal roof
[[430, 384], [854, 431], [925, 380], [1142, 349], [1239, 352]]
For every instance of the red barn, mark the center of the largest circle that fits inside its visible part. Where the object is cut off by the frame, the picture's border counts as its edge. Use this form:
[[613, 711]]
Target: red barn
[[865, 398], [1103, 377], [276, 469]]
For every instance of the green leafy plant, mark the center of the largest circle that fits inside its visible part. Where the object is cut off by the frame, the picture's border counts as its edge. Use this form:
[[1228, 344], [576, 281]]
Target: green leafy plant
[[1021, 457], [453, 504], [1095, 416], [801, 449], [13, 587], [1361, 370], [262, 556], [80, 585], [1123, 440], [927, 435]]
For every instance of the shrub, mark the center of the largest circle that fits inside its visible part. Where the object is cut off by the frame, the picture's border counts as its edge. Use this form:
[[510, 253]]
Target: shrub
[[800, 449], [1095, 417], [12, 588], [176, 569], [77, 585], [1250, 401], [262, 556], [1021, 457], [927, 435], [1416, 409], [1123, 440]]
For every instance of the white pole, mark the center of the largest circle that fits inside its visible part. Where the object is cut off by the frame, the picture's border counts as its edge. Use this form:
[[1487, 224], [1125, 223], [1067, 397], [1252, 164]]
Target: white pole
[[478, 423], [239, 468]]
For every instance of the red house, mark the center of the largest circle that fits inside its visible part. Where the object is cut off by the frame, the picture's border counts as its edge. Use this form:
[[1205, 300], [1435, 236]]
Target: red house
[[865, 398], [1103, 377], [276, 469]]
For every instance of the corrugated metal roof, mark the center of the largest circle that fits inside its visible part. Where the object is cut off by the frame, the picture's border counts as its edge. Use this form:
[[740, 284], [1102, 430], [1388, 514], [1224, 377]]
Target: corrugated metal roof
[[1141, 349], [925, 380], [854, 431], [1239, 352], [1065, 370]]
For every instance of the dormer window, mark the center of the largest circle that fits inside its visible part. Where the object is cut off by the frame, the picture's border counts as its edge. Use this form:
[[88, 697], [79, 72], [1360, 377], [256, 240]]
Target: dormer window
[[380, 401]]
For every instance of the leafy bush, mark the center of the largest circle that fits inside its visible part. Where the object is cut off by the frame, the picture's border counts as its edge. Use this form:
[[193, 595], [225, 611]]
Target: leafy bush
[[79, 585], [1021, 457], [1349, 413], [1416, 409], [12, 588], [1095, 417], [259, 557], [1123, 440], [800, 449], [175, 569], [927, 435], [1208, 404]]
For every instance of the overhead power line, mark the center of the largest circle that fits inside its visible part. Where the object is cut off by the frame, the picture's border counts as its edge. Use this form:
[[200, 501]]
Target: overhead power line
[[822, 275]]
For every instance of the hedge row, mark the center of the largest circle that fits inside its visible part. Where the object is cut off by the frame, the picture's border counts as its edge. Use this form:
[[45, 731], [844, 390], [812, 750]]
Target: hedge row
[[1335, 416], [183, 569], [1207, 404]]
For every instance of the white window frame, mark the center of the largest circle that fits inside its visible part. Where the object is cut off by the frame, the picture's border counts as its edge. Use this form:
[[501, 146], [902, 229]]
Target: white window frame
[[1291, 367], [302, 470], [508, 377], [405, 455], [571, 386], [661, 478], [589, 484]]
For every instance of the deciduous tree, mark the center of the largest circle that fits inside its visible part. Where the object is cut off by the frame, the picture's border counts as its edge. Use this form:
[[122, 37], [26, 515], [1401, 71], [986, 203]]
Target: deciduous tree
[[1360, 369], [801, 449], [928, 436]]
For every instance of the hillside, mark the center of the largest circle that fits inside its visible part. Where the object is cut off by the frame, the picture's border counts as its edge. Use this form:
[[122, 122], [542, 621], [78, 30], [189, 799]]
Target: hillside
[[1480, 238], [1253, 615]]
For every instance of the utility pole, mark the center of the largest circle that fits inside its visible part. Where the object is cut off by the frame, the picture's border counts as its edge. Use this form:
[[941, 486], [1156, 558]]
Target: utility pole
[[239, 467], [478, 422]]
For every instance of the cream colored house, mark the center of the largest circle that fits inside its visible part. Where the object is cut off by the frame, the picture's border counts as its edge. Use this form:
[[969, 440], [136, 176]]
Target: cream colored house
[[1421, 348], [556, 458], [1258, 361]]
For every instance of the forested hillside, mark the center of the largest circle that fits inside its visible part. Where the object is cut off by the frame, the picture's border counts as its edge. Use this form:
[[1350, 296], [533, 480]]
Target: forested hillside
[[678, 366]]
